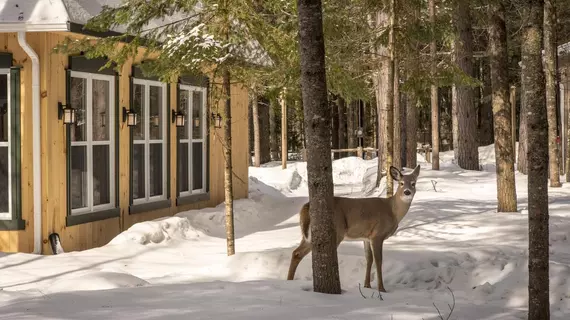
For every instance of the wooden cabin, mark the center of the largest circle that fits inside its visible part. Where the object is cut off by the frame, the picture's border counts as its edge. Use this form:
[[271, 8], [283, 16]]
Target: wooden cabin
[[71, 161]]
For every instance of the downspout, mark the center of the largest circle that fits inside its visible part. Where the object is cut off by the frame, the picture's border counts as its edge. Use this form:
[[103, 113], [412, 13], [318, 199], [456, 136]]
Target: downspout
[[37, 174]]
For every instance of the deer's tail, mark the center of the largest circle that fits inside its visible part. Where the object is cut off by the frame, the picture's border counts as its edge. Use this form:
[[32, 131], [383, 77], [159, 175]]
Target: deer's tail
[[305, 222]]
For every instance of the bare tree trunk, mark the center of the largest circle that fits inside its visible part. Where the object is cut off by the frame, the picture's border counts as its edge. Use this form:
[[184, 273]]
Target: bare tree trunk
[[397, 118], [335, 129], [550, 72], [256, 138], [351, 125], [537, 131], [284, 131], [411, 135], [228, 171], [504, 149], [567, 113], [265, 134], [522, 165], [454, 123], [319, 167], [486, 128], [434, 89], [467, 153], [273, 137], [403, 131], [381, 82], [342, 136], [389, 152]]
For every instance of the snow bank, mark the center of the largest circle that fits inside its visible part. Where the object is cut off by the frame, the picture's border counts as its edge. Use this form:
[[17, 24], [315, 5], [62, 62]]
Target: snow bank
[[98, 280]]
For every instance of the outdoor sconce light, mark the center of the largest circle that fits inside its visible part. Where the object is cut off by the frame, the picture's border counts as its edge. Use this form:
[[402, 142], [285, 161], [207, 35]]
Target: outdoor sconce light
[[130, 117], [66, 113], [359, 133], [217, 118], [197, 122], [178, 118], [154, 121]]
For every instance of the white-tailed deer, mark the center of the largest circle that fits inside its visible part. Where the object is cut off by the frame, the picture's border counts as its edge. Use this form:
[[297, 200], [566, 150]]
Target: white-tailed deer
[[370, 219]]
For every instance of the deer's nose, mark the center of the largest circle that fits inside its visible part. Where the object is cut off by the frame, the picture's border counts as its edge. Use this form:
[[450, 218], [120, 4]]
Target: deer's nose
[[407, 192]]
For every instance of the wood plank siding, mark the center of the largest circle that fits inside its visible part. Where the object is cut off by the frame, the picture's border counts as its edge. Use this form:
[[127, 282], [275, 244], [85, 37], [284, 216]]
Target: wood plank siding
[[53, 153]]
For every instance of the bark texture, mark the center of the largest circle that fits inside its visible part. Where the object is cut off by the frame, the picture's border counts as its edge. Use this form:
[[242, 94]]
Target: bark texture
[[256, 136], [486, 124], [265, 134], [403, 131], [228, 171], [454, 123], [537, 132], [504, 149], [550, 73], [351, 126], [411, 131], [467, 151], [389, 151], [274, 132], [319, 165], [397, 119], [434, 94]]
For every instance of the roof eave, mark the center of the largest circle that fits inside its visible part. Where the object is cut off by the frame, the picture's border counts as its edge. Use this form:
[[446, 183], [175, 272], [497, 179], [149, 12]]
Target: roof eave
[[35, 27]]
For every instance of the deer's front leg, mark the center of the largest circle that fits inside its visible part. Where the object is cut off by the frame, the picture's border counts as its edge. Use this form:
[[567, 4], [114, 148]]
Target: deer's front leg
[[377, 252], [369, 260]]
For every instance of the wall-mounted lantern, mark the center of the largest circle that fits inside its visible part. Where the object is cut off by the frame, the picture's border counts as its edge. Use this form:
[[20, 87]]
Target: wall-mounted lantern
[[130, 117], [217, 119], [178, 118], [197, 122], [66, 113], [154, 121]]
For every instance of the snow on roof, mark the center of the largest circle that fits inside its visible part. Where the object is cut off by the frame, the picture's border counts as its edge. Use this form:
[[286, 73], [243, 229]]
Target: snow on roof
[[30, 13]]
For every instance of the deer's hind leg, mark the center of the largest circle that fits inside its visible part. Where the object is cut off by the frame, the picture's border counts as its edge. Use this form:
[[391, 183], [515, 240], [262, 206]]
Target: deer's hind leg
[[369, 261], [298, 254]]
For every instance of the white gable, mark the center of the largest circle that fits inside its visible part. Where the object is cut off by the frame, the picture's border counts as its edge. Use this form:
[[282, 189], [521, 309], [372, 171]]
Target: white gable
[[32, 15]]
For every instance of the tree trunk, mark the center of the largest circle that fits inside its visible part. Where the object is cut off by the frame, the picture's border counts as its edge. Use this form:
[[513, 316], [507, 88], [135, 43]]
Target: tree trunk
[[265, 134], [550, 73], [351, 127], [380, 80], [486, 128], [284, 131], [228, 171], [411, 131], [398, 118], [522, 165], [454, 123], [319, 167], [537, 132], [504, 149], [274, 132], [403, 132], [389, 152], [434, 97], [342, 137], [335, 128], [256, 138], [467, 151]]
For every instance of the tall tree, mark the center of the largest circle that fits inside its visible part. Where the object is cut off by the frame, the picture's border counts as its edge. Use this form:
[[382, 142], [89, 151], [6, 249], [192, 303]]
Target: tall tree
[[550, 73], [397, 119], [411, 130], [389, 151], [433, 87], [467, 149], [334, 125], [256, 136], [486, 107], [342, 121], [504, 149], [533, 82], [317, 130]]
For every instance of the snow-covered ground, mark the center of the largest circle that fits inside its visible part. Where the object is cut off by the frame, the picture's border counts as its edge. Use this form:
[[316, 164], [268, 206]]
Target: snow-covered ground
[[177, 268]]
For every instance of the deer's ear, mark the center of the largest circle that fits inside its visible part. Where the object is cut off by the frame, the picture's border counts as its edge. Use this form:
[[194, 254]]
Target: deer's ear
[[416, 171], [395, 173]]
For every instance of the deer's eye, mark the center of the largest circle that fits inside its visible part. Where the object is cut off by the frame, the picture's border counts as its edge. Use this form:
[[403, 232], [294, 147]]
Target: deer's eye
[[413, 184]]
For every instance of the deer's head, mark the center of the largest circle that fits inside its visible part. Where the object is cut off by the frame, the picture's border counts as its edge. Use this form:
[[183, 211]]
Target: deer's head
[[406, 183]]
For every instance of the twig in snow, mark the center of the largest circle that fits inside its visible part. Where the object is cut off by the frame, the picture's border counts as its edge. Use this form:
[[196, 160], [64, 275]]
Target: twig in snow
[[433, 182], [362, 294], [451, 307]]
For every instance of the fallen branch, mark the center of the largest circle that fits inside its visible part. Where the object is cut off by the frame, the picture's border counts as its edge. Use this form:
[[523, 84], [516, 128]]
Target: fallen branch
[[372, 296]]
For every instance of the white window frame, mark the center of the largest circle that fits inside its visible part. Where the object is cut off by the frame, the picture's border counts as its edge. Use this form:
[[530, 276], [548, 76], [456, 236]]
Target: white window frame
[[188, 110], [146, 142], [8, 215], [89, 143]]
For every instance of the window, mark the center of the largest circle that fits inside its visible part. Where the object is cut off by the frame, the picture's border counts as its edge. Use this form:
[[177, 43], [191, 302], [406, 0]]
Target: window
[[10, 192], [92, 137], [149, 154], [192, 162]]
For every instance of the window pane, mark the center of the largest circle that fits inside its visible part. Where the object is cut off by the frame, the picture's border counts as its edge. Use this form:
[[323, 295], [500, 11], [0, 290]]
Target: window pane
[[101, 175], [182, 165], [155, 169], [79, 101], [101, 110], [4, 114], [4, 172], [138, 171], [184, 99], [138, 106], [155, 112], [197, 170], [197, 114], [78, 177]]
